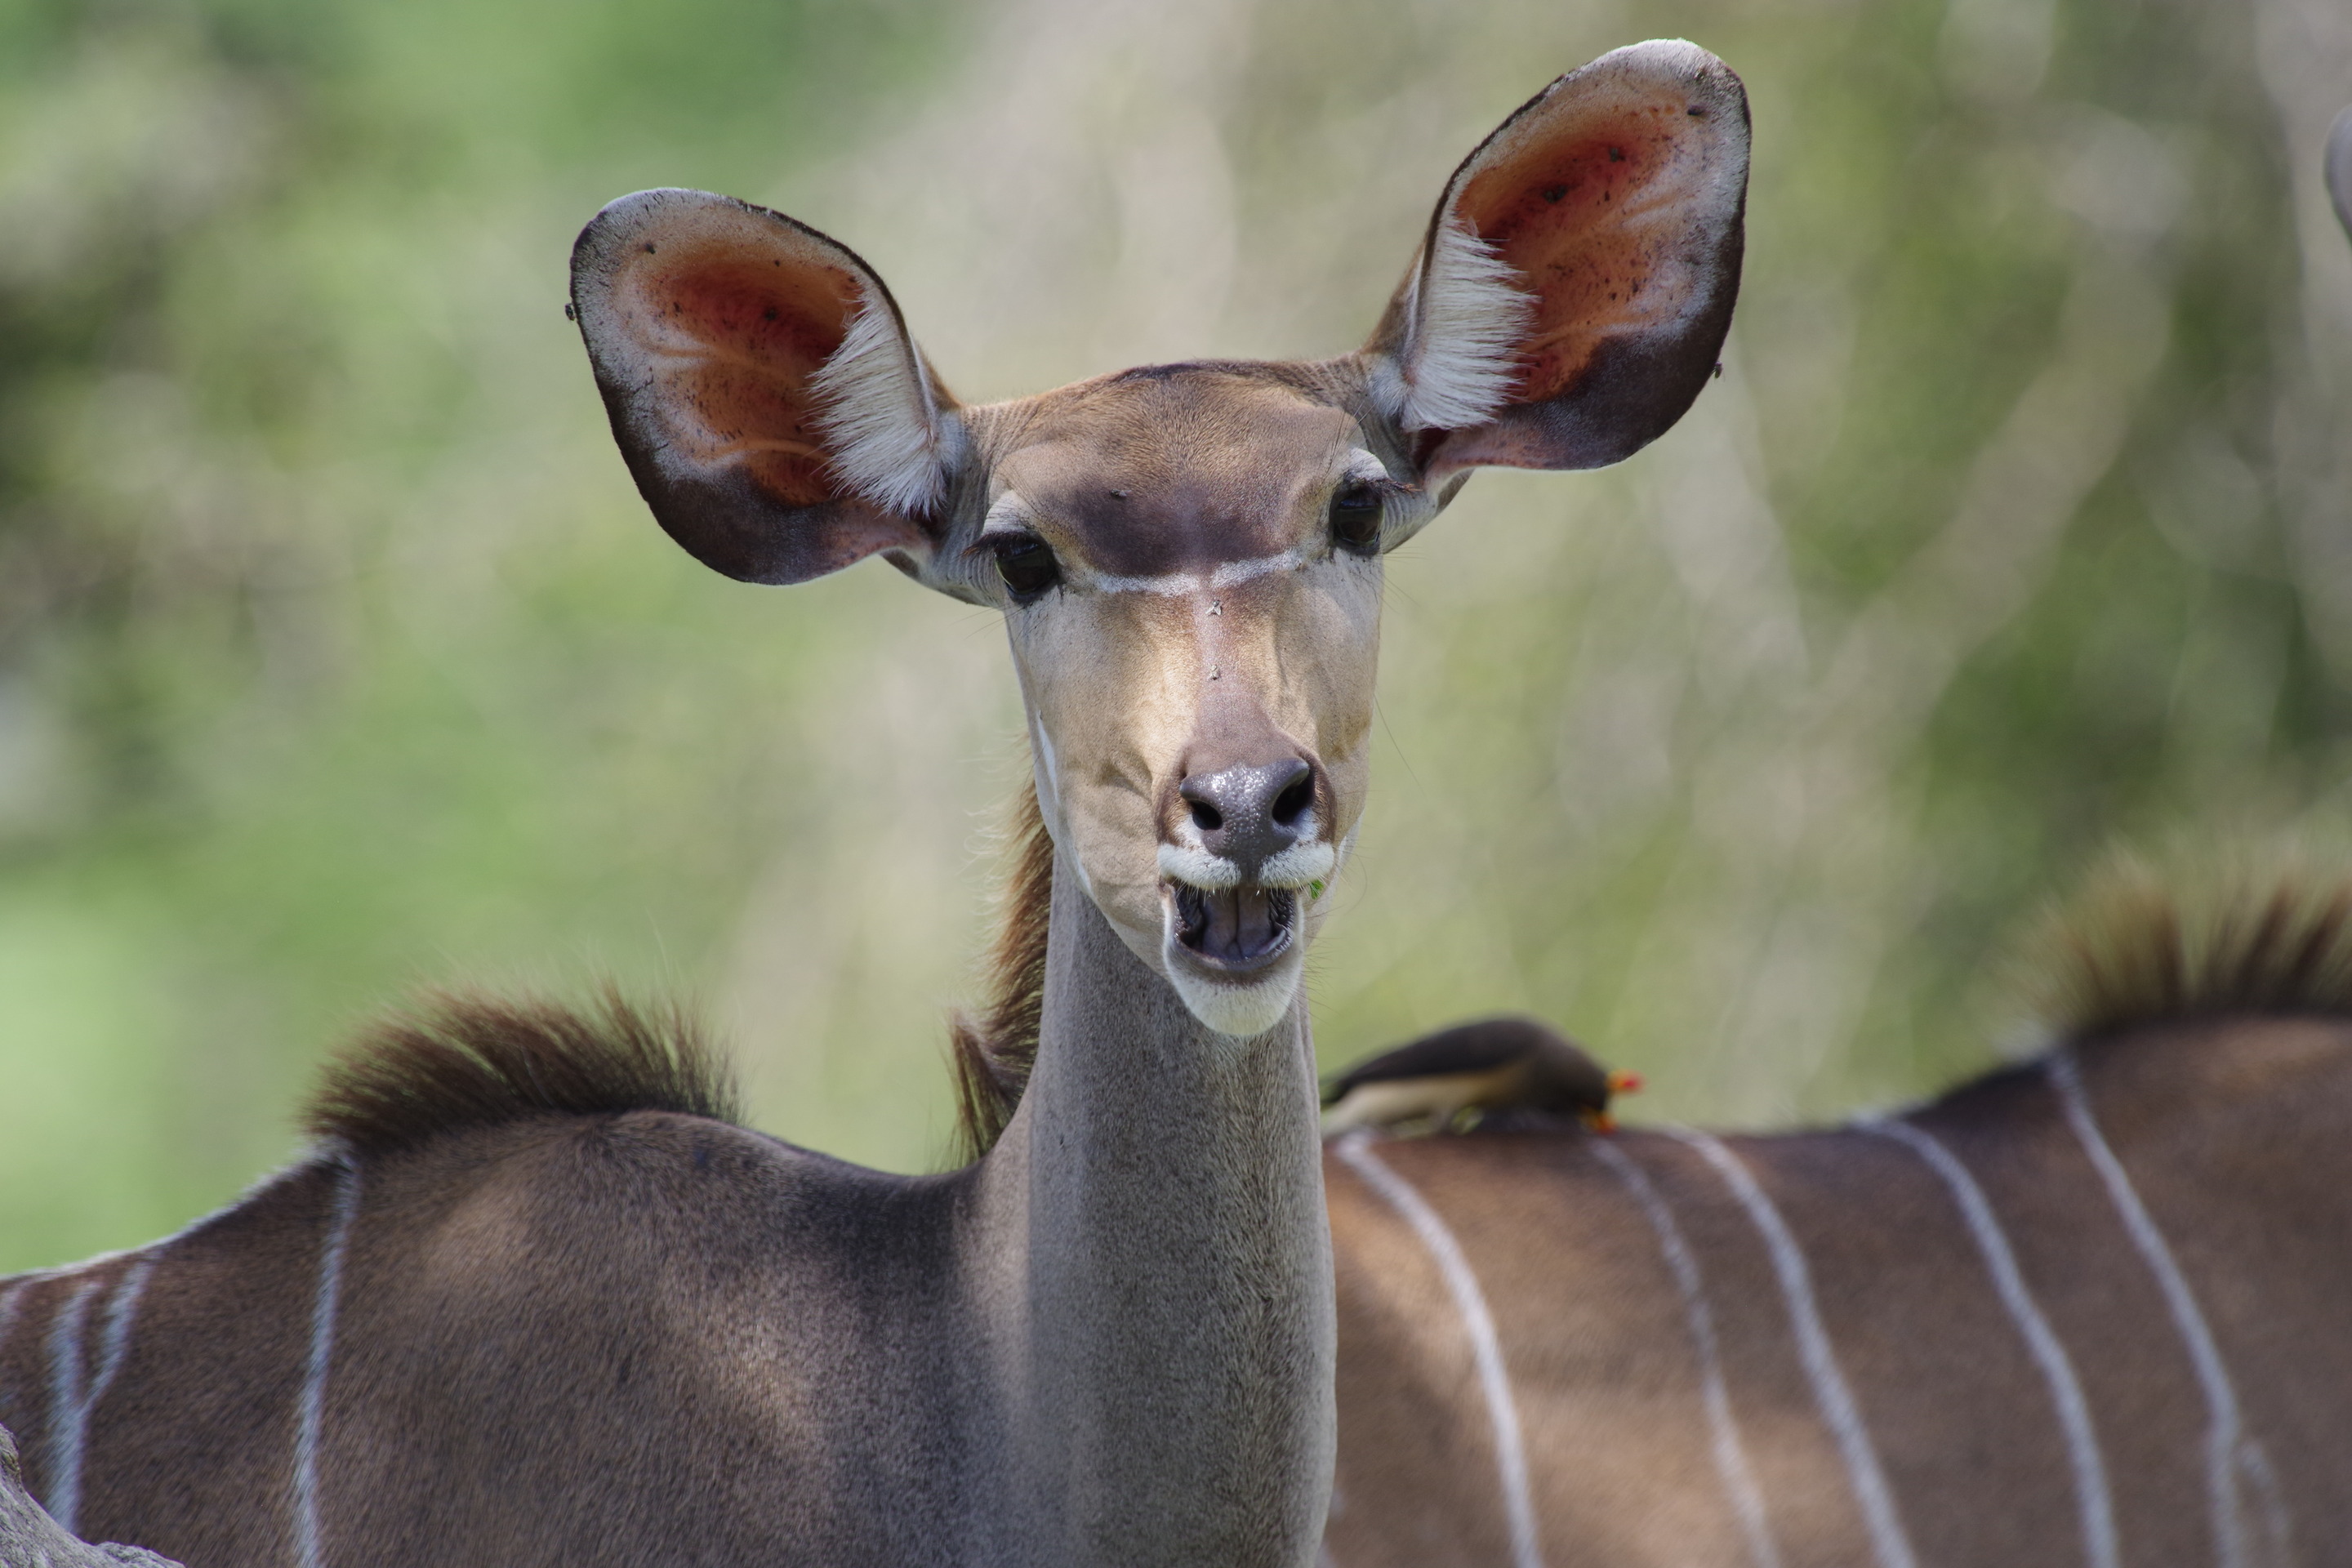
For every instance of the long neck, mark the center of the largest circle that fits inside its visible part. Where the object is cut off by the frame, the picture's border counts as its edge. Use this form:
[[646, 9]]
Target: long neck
[[1153, 1263]]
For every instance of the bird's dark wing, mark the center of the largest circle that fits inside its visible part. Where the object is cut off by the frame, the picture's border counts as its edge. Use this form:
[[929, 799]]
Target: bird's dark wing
[[1479, 1047]]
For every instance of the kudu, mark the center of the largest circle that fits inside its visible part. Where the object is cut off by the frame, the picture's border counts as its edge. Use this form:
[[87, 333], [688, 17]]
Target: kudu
[[2094, 1308], [530, 1301]]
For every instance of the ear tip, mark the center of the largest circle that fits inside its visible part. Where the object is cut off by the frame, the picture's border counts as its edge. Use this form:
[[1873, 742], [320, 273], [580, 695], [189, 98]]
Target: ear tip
[[1676, 59], [604, 240], [622, 219], [1674, 65], [675, 214]]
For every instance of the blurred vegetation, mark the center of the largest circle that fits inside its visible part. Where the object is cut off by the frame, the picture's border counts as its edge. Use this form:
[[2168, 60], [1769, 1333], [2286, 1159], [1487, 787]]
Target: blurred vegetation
[[337, 656]]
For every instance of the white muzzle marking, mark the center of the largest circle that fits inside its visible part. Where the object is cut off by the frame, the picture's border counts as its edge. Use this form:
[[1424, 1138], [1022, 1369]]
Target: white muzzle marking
[[1299, 866], [1188, 864]]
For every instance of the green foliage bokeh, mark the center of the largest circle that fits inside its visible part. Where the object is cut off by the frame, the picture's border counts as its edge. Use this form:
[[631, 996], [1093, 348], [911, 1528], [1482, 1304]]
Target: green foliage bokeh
[[338, 658]]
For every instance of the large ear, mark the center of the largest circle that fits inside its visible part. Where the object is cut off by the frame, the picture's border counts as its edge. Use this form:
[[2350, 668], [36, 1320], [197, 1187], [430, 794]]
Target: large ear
[[1576, 283], [762, 386]]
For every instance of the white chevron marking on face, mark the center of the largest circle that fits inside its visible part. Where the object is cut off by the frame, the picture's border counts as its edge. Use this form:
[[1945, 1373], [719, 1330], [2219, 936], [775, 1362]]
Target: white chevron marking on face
[[1232, 574]]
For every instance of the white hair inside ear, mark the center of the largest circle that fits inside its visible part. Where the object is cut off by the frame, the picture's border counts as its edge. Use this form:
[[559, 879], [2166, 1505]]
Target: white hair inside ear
[[891, 440], [1469, 316]]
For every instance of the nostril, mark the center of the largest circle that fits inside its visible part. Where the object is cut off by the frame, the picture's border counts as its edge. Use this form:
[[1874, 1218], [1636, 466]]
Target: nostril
[[1292, 803], [1250, 810]]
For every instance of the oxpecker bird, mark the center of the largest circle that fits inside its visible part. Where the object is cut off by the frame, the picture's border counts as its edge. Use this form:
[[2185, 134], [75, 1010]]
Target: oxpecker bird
[[1492, 1065]]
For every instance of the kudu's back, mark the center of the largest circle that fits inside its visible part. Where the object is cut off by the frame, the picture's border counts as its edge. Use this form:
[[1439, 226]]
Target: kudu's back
[[561, 1314], [2093, 1309]]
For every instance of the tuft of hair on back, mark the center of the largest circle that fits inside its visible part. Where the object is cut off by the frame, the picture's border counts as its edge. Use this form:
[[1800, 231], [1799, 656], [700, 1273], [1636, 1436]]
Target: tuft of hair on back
[[992, 1052], [2131, 949], [456, 1061]]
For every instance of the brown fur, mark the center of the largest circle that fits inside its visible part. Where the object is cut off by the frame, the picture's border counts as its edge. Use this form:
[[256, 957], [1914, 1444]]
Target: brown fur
[[2216, 1061], [530, 1320], [2232, 1131], [2129, 950], [585, 1336], [477, 1061], [991, 1052]]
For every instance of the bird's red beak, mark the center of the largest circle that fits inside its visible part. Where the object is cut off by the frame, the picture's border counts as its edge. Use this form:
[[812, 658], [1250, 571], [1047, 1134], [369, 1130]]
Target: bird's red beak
[[1623, 1082]]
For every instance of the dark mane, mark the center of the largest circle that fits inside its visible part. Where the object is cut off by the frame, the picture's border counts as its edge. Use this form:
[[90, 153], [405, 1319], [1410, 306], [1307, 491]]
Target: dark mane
[[2130, 951], [991, 1052], [461, 1061]]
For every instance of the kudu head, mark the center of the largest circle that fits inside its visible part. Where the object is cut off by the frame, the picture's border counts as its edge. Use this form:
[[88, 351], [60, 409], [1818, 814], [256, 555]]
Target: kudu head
[[1188, 557]]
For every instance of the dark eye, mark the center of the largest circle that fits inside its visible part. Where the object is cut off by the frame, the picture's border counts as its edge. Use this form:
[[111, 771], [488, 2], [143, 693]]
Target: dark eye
[[1356, 517], [1027, 566]]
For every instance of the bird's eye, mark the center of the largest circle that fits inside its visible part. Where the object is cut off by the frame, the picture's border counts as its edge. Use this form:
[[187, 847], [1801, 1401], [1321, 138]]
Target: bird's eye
[[1356, 517], [1027, 566]]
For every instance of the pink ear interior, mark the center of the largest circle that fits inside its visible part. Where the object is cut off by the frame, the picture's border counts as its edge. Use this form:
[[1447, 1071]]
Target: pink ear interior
[[730, 342], [1595, 215], [707, 321]]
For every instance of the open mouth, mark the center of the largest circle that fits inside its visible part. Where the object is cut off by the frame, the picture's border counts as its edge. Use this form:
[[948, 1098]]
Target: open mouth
[[1237, 930]]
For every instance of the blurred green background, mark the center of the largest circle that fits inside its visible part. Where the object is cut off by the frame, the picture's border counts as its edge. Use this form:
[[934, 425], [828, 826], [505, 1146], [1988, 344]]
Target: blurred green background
[[337, 656]]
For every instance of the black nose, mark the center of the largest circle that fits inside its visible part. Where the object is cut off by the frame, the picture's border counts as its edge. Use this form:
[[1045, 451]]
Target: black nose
[[1249, 814]]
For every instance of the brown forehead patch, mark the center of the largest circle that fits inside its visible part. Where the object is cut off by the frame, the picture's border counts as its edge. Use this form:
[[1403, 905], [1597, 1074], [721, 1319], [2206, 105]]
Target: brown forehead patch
[[1177, 468]]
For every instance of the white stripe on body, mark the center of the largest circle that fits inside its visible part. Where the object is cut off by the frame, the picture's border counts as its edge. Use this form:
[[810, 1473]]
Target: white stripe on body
[[1730, 1456], [64, 1403], [119, 1309], [70, 1402], [10, 1300], [309, 1551], [1888, 1543], [2228, 1449], [1486, 1347], [2255, 1465], [2093, 1500]]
